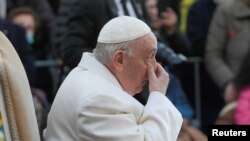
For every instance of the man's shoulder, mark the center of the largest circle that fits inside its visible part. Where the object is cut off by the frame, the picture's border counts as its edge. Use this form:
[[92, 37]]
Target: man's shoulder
[[84, 84], [81, 78]]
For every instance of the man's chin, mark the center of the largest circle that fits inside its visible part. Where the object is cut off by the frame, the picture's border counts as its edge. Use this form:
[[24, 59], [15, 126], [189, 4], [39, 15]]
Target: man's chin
[[137, 91], [140, 89]]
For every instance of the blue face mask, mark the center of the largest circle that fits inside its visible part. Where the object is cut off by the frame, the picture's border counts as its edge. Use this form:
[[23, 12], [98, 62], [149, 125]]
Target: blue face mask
[[30, 38]]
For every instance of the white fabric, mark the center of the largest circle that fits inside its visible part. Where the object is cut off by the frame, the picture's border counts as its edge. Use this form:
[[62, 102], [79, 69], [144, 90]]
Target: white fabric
[[129, 6], [17, 96], [121, 29], [91, 106]]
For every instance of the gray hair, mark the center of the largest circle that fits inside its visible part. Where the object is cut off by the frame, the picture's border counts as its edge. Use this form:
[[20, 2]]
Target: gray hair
[[104, 51]]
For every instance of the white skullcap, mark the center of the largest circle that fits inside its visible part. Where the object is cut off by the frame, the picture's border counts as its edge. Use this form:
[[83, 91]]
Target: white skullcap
[[121, 29]]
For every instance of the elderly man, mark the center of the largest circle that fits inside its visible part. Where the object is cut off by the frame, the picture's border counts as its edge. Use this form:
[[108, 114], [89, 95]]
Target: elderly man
[[95, 101]]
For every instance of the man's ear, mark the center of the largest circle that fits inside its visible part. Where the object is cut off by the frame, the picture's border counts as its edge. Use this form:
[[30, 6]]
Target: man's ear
[[118, 60]]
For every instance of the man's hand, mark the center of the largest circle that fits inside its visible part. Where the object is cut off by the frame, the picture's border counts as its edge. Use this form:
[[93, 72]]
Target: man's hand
[[230, 93], [158, 78]]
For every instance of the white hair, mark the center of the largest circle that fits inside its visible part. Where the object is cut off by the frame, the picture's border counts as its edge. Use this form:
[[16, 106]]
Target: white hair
[[104, 51]]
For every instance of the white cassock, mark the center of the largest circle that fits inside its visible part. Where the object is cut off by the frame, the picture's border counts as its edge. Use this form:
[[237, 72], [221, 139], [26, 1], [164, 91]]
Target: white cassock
[[92, 106]]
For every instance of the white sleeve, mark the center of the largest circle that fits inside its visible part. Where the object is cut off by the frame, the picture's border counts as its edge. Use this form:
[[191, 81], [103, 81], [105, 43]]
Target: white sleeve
[[108, 118], [161, 118]]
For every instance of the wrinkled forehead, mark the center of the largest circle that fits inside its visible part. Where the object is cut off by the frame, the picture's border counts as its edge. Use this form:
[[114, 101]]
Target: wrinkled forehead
[[150, 41], [147, 43]]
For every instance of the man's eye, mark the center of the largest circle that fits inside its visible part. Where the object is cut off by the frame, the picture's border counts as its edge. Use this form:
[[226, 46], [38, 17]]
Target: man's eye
[[151, 56]]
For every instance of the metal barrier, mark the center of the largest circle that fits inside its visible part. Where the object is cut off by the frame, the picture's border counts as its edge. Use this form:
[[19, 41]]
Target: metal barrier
[[54, 68], [48, 63], [196, 64]]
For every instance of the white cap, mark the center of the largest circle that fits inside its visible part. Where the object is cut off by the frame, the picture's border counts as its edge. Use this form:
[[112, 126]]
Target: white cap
[[121, 29]]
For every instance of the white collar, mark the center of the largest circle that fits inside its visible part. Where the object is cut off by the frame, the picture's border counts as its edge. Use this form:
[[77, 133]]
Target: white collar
[[89, 62]]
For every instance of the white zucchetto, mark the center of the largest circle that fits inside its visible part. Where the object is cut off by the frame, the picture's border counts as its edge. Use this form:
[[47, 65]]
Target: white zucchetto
[[121, 29]]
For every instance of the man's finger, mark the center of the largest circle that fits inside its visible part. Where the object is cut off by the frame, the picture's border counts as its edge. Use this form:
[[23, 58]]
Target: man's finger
[[151, 72], [160, 69]]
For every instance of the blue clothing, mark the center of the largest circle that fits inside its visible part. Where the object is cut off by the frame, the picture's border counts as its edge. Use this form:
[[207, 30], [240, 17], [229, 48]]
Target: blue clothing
[[177, 96], [199, 18]]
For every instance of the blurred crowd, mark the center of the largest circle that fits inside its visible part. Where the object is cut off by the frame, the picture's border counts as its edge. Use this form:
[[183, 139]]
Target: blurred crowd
[[215, 31]]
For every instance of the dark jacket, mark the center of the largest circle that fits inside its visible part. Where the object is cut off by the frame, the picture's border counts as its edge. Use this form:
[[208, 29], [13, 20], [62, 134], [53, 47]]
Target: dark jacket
[[83, 24], [199, 18], [16, 35], [47, 19]]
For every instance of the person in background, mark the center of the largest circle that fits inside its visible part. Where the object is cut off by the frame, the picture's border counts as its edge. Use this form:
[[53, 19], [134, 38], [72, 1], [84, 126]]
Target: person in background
[[48, 20], [237, 111], [95, 101], [178, 97], [16, 35], [27, 18], [242, 91], [80, 21], [228, 43], [242, 86], [165, 23], [199, 19]]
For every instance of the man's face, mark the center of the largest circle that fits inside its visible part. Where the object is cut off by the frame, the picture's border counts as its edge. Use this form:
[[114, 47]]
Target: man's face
[[135, 67], [152, 10], [27, 21]]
